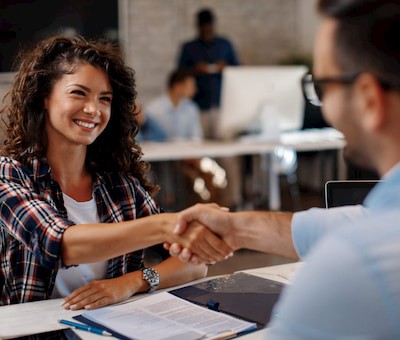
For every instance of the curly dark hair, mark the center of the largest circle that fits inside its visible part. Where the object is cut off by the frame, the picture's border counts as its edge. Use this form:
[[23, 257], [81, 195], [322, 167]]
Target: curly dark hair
[[39, 69]]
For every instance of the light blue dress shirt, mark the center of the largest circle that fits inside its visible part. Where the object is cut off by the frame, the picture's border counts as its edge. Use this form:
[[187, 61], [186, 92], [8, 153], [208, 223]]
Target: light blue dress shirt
[[178, 123], [349, 286]]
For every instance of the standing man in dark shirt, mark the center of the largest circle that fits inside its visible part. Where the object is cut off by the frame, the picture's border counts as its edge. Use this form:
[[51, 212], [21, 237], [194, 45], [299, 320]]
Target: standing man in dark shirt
[[207, 55]]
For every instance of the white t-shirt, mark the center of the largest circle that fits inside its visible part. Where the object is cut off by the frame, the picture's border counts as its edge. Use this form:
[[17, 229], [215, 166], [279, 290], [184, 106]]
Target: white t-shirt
[[69, 279]]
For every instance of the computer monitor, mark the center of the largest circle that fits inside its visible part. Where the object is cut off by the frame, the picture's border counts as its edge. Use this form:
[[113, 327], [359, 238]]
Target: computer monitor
[[262, 100]]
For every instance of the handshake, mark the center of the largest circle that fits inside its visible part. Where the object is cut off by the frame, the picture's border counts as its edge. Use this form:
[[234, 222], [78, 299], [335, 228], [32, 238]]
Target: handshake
[[207, 233], [204, 233]]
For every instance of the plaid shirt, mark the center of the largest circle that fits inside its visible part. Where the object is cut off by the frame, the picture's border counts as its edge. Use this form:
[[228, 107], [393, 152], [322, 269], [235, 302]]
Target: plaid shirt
[[33, 219]]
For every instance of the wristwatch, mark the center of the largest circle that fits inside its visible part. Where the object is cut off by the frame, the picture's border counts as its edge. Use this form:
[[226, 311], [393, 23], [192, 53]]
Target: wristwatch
[[152, 277]]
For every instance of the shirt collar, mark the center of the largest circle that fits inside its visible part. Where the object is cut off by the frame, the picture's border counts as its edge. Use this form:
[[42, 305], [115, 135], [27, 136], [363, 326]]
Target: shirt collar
[[40, 167]]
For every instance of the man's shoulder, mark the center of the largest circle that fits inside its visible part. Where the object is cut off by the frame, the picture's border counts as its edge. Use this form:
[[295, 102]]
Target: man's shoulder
[[372, 228], [189, 104], [370, 244], [222, 40]]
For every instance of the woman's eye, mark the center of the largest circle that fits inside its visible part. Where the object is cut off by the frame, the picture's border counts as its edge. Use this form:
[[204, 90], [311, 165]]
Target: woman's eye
[[78, 92], [106, 99]]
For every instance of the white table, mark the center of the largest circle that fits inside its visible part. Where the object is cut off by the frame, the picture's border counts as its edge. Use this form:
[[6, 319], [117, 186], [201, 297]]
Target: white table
[[42, 316], [304, 140]]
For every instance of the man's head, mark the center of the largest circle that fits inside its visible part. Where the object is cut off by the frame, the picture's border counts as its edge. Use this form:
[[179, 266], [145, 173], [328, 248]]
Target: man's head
[[182, 83], [205, 24], [358, 47]]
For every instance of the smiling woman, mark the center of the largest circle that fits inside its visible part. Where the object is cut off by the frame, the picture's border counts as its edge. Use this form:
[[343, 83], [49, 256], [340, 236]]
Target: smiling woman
[[78, 108], [76, 207]]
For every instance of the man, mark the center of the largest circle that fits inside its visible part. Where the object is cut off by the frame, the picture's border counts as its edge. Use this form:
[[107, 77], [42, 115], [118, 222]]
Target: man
[[175, 112], [174, 116], [349, 284], [207, 55]]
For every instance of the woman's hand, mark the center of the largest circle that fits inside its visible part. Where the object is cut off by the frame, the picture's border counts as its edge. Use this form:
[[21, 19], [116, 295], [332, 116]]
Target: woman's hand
[[100, 293], [200, 240], [206, 235]]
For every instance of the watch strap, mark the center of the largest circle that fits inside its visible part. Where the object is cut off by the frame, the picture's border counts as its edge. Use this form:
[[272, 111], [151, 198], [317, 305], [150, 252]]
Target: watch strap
[[152, 277]]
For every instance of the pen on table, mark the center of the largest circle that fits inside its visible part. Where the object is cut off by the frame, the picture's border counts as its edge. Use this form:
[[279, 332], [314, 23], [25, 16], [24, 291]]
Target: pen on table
[[85, 327]]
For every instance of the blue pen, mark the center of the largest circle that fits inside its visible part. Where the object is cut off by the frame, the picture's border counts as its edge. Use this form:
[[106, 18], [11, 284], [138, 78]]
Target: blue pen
[[85, 327]]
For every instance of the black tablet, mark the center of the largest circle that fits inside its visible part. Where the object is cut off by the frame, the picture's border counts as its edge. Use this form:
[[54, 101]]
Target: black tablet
[[59, 334], [349, 192]]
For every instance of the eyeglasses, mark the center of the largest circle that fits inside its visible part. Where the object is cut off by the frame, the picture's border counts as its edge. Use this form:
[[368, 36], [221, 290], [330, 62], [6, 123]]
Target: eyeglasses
[[313, 88]]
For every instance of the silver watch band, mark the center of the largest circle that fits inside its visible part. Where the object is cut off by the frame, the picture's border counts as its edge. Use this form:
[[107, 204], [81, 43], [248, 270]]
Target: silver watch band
[[152, 277]]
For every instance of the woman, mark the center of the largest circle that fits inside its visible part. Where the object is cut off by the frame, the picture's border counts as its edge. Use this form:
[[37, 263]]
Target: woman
[[73, 190]]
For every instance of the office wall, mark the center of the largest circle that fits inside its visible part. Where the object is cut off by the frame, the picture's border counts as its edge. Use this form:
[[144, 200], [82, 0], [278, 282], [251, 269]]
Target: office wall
[[263, 32]]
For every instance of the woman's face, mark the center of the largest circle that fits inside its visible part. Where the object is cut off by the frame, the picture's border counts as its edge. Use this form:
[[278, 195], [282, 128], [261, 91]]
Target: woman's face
[[78, 107]]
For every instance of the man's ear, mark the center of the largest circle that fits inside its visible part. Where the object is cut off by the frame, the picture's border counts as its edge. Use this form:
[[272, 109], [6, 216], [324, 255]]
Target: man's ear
[[371, 102]]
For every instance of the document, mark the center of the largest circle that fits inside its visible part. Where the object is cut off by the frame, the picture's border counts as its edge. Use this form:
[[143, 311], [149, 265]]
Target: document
[[165, 316]]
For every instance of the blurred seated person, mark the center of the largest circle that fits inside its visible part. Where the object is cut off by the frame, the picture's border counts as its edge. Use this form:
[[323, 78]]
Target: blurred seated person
[[174, 112], [174, 116]]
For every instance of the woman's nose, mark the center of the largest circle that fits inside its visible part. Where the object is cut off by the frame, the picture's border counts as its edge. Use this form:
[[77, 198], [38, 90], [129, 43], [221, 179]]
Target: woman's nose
[[91, 109]]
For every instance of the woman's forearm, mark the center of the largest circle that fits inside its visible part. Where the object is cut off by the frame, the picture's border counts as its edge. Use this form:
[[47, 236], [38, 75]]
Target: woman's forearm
[[88, 243], [174, 272]]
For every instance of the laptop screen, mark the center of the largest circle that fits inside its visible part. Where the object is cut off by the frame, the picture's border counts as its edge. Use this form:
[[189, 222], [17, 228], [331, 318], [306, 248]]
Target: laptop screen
[[350, 192]]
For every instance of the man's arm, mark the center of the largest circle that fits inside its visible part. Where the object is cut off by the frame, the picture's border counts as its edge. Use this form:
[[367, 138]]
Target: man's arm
[[286, 234], [268, 232]]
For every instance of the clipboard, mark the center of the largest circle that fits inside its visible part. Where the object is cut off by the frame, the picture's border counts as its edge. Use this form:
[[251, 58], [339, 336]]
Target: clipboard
[[245, 296]]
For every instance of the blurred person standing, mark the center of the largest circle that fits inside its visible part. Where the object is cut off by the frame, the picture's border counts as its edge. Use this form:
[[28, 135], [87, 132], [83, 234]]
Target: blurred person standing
[[207, 55]]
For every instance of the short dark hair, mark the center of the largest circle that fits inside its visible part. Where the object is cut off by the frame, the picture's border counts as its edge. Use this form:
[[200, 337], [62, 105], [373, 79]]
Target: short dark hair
[[367, 36], [178, 76], [205, 17]]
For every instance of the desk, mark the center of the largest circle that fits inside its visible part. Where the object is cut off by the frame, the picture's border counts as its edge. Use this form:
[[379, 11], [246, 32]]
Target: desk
[[42, 316], [305, 140]]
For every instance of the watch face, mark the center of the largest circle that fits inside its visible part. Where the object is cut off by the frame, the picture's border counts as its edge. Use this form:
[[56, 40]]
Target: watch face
[[152, 277]]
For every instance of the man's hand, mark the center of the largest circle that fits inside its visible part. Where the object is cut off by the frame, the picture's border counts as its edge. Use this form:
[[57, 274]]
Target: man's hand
[[217, 219], [198, 239]]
